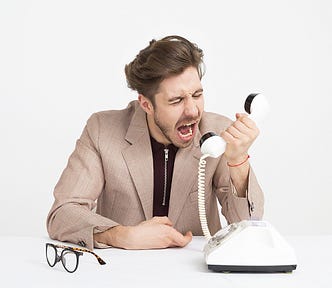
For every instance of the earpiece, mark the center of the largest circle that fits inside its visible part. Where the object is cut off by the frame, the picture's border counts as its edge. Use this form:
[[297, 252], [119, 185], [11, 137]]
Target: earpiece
[[212, 144], [255, 105]]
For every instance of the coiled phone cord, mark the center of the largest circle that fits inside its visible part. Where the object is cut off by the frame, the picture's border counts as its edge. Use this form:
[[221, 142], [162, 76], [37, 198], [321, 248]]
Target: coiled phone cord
[[201, 196]]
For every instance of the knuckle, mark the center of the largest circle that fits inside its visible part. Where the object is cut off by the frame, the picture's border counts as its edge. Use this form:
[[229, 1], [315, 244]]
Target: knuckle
[[236, 124], [169, 241]]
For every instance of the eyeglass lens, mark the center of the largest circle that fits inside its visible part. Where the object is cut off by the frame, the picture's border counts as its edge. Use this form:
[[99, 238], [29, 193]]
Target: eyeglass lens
[[51, 255], [68, 258]]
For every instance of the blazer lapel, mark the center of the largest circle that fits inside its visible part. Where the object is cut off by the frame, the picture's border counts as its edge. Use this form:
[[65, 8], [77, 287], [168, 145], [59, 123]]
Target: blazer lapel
[[185, 172], [138, 157]]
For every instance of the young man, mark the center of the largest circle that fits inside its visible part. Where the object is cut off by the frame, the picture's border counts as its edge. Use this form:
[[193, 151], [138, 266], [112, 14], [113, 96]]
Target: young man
[[138, 166]]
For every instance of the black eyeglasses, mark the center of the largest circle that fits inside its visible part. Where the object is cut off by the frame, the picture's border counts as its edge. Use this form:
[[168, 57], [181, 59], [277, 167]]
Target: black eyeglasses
[[69, 256]]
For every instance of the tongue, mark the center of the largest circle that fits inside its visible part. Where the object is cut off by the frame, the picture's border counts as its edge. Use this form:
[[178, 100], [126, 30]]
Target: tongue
[[184, 130]]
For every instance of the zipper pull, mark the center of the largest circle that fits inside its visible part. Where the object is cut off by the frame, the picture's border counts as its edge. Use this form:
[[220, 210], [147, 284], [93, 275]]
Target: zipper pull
[[166, 154], [165, 176]]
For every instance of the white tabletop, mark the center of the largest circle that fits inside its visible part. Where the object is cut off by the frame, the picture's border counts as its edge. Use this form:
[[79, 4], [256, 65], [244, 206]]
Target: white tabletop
[[23, 264]]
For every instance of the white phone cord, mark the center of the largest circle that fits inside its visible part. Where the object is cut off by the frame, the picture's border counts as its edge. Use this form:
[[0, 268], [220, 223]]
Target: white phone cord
[[201, 196]]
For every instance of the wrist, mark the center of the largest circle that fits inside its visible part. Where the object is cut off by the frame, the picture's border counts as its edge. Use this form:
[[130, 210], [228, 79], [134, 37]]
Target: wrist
[[239, 161], [111, 236]]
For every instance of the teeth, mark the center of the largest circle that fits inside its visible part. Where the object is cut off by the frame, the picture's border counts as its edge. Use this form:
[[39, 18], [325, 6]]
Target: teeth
[[188, 124], [188, 134]]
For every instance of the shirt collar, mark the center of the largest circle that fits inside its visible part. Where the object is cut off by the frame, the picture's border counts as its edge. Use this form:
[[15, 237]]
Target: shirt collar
[[156, 146]]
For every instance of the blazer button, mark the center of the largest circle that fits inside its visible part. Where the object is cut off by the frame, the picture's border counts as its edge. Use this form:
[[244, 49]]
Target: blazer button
[[81, 243], [252, 206]]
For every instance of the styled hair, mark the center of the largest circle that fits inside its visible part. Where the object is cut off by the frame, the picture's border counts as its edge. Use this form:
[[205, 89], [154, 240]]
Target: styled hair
[[167, 57]]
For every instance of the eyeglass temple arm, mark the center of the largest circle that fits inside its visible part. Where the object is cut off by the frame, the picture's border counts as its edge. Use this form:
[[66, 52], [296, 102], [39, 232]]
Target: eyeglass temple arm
[[101, 261]]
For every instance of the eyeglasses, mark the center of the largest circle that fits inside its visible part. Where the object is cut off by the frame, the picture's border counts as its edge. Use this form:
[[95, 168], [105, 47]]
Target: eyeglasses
[[69, 256]]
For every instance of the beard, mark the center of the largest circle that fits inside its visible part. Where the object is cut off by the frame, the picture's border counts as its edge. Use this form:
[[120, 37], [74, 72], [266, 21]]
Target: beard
[[164, 129], [168, 130]]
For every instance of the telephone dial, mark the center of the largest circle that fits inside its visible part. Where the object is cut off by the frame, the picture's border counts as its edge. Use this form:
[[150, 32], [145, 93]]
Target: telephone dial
[[246, 246]]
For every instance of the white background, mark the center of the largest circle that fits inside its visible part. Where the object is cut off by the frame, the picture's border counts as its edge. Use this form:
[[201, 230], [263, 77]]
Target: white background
[[60, 61]]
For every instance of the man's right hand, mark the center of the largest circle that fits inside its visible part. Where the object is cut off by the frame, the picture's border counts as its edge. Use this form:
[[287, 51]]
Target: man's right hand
[[155, 233]]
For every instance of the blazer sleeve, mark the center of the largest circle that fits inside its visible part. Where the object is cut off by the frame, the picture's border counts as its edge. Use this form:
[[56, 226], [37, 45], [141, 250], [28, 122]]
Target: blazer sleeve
[[71, 217], [236, 208]]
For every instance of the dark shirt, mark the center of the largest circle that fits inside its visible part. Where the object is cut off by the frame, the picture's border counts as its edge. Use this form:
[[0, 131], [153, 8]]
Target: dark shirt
[[163, 164]]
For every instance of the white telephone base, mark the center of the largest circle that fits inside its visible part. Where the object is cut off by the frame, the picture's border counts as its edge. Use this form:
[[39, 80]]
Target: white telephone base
[[249, 246]]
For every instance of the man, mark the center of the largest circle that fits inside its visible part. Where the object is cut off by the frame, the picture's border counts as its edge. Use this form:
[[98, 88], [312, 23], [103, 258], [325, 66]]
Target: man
[[138, 166]]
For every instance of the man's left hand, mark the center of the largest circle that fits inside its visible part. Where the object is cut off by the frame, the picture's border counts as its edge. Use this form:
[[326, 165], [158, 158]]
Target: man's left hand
[[239, 137]]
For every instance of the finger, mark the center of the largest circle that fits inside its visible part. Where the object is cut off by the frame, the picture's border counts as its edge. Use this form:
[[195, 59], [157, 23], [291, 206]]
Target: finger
[[245, 118], [228, 137], [189, 235], [249, 127], [241, 127], [186, 239], [162, 220], [180, 240], [236, 142], [236, 133], [241, 115]]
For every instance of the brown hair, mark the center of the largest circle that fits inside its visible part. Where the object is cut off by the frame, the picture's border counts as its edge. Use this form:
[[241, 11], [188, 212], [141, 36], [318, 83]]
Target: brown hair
[[161, 59]]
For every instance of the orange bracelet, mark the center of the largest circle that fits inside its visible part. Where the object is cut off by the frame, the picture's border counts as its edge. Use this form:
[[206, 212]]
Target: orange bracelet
[[239, 164]]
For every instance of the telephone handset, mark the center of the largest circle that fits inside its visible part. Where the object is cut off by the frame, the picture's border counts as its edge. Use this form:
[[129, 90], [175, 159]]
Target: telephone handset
[[213, 145], [255, 105], [246, 246]]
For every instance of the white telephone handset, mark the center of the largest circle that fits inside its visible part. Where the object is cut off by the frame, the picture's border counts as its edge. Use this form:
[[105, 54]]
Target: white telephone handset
[[255, 105], [246, 246]]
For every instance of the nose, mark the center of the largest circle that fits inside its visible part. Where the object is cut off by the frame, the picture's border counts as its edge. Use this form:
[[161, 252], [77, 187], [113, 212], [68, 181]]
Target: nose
[[190, 109]]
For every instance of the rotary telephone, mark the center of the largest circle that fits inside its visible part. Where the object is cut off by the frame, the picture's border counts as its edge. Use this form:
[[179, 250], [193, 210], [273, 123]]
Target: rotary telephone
[[246, 246]]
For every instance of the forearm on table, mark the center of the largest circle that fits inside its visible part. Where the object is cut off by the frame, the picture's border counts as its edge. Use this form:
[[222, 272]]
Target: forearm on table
[[111, 237], [76, 223]]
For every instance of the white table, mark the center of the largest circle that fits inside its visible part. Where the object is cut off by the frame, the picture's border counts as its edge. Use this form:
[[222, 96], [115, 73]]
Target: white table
[[23, 264]]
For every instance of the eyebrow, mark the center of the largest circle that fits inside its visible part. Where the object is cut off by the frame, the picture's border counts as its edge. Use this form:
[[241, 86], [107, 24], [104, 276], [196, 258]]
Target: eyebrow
[[200, 90]]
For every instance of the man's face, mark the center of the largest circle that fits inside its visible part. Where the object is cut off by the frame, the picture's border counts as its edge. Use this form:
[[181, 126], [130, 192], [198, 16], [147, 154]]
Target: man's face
[[177, 109]]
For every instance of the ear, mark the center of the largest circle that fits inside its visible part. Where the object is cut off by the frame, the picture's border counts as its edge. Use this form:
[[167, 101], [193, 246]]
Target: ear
[[145, 104]]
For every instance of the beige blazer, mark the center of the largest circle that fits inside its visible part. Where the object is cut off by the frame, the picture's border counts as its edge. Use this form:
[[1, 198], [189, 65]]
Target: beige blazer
[[111, 169]]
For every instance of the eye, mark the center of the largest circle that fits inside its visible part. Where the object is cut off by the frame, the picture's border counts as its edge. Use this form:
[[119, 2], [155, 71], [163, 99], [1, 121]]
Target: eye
[[197, 95], [176, 101]]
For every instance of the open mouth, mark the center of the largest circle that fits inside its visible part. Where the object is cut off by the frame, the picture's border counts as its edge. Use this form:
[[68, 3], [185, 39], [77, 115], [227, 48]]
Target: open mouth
[[187, 130]]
